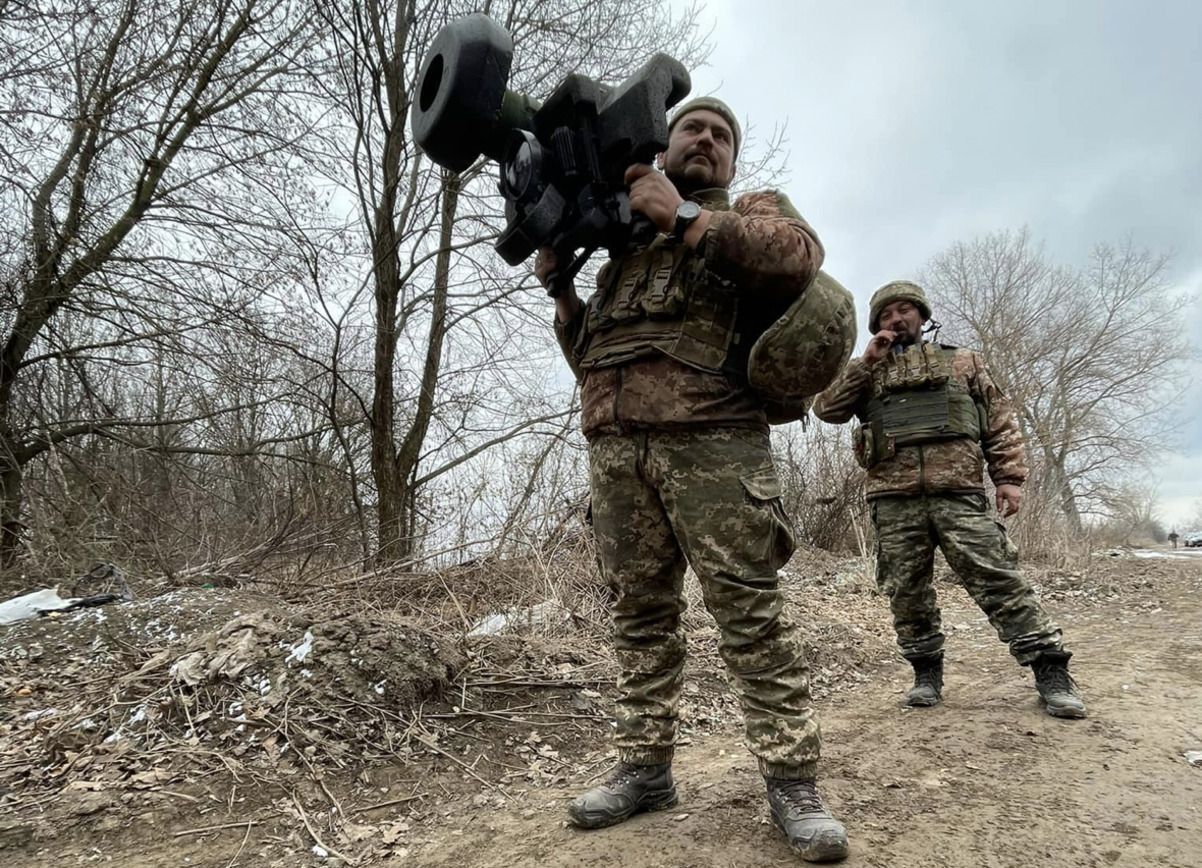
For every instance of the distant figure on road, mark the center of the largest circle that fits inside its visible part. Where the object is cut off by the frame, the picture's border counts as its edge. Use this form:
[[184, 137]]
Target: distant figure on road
[[1173, 538], [931, 419]]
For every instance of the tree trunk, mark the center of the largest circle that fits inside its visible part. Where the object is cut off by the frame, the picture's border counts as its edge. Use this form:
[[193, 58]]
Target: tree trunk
[[394, 466], [10, 508], [1059, 484]]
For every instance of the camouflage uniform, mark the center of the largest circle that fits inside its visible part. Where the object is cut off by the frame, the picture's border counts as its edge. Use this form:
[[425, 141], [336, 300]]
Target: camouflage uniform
[[927, 490], [680, 470]]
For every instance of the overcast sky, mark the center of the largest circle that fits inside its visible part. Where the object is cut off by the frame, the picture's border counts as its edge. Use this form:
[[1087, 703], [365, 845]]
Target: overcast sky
[[913, 125]]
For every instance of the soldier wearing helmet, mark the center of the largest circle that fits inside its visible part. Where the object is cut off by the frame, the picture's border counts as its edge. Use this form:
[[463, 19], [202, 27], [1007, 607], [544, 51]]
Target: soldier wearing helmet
[[931, 420], [678, 353]]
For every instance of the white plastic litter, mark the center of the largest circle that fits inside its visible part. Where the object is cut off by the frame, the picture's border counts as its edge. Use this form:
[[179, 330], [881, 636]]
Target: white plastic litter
[[539, 615], [33, 604], [302, 648]]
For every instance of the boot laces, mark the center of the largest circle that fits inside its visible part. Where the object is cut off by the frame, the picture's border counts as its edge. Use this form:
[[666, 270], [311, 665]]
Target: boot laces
[[803, 796], [621, 775], [1056, 678], [926, 677]]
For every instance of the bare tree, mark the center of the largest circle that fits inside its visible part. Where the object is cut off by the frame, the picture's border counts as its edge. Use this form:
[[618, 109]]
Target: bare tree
[[1089, 356], [1132, 516], [128, 131], [433, 279], [823, 486]]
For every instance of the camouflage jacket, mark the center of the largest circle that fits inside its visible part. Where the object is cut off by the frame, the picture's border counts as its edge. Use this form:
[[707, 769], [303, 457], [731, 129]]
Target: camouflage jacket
[[949, 466], [770, 255]]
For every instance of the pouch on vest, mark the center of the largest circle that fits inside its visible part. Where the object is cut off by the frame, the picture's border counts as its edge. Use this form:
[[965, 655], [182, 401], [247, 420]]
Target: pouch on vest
[[626, 304], [661, 299], [664, 298], [878, 445], [861, 445]]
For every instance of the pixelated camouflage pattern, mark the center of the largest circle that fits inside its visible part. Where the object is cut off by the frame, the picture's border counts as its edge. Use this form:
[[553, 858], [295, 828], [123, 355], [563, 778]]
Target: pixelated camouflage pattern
[[763, 246], [802, 352], [659, 393], [896, 290], [711, 498], [949, 466], [769, 254], [980, 552], [660, 300]]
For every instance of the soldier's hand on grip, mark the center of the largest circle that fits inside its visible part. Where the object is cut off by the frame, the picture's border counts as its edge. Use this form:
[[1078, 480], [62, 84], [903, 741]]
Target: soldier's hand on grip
[[652, 194], [879, 346]]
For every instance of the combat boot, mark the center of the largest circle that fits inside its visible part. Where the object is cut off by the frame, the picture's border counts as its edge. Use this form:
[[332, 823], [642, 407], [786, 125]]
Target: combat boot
[[628, 790], [1056, 687], [928, 682], [799, 812]]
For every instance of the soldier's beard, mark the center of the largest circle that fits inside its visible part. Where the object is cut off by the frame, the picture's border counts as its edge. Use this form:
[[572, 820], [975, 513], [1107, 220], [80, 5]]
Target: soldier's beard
[[692, 178], [685, 185]]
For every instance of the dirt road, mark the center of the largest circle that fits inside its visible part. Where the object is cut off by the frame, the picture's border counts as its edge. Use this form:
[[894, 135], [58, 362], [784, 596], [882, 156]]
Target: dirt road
[[984, 780]]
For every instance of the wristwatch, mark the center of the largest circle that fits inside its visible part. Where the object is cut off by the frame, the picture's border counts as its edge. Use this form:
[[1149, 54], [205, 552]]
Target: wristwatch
[[686, 213]]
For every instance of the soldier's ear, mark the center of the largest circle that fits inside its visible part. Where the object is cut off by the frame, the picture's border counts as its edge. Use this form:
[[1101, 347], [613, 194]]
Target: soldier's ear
[[659, 161]]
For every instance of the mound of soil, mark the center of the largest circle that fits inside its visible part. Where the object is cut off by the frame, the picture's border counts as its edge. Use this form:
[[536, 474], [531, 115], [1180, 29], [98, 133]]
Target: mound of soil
[[104, 695]]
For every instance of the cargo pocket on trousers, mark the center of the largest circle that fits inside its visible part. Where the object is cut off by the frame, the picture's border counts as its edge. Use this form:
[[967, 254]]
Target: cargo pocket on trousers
[[1009, 549], [764, 493]]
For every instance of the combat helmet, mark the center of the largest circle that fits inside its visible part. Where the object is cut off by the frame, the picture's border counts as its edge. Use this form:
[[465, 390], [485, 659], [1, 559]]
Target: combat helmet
[[804, 350], [897, 290]]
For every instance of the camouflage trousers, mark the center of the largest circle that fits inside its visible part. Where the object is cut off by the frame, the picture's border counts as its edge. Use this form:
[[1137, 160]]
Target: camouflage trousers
[[979, 551], [711, 498]]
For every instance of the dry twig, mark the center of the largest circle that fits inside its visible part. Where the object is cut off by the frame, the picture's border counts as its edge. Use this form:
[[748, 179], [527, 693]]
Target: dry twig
[[401, 801], [204, 829], [241, 846], [317, 838]]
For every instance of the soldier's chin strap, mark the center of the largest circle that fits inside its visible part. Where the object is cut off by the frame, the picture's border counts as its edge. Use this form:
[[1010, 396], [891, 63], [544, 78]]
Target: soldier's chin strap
[[931, 330]]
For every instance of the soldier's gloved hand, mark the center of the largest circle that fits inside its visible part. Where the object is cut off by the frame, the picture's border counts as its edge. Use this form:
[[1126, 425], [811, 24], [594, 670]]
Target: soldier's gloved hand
[[878, 347], [652, 194], [1008, 499]]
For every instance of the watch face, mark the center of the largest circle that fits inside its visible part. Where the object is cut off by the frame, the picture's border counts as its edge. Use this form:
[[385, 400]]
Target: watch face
[[688, 211]]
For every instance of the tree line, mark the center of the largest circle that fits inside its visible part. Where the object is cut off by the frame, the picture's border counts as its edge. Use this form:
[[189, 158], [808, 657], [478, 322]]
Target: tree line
[[242, 317]]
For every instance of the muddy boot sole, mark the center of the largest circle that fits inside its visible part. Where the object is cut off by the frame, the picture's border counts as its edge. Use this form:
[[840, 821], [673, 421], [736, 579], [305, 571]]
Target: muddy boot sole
[[922, 700], [654, 800], [825, 846], [1068, 712]]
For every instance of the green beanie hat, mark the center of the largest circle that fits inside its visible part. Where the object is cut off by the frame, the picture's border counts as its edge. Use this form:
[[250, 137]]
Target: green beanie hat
[[715, 105], [896, 290]]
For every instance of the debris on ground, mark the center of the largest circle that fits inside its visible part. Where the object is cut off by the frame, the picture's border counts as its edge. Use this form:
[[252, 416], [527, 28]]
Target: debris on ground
[[46, 601], [351, 723], [33, 605], [267, 687], [527, 619]]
